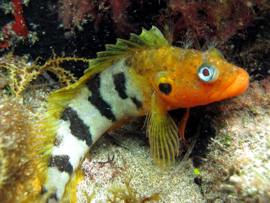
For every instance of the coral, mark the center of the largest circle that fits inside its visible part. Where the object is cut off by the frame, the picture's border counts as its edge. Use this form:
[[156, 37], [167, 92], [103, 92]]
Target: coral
[[19, 26], [20, 73], [119, 17], [14, 29], [74, 12], [233, 26], [20, 166], [211, 20]]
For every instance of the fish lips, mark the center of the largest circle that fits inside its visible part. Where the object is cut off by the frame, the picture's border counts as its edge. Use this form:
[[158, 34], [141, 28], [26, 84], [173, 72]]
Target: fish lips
[[238, 86]]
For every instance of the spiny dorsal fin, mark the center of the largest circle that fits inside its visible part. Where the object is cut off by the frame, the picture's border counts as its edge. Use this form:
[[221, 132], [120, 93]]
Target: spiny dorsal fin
[[152, 38]]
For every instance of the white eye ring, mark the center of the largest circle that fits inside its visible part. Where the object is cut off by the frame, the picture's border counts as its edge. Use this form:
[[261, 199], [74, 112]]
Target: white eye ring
[[207, 73]]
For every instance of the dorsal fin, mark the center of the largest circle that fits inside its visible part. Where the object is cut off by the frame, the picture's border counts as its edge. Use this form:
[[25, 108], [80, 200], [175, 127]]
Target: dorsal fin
[[152, 38]]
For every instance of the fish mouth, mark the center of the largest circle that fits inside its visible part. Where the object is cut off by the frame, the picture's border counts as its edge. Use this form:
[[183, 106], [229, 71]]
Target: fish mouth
[[239, 85]]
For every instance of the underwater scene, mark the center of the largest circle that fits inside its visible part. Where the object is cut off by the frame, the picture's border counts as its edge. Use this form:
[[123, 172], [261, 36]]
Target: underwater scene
[[143, 101]]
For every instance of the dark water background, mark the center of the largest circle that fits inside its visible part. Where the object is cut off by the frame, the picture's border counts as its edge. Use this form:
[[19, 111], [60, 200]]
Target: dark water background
[[240, 29]]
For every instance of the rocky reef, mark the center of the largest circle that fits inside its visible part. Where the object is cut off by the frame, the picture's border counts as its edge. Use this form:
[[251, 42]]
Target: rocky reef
[[236, 167]]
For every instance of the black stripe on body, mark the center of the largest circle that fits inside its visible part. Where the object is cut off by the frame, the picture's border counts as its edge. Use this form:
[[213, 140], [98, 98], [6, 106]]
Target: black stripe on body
[[77, 126], [61, 162], [137, 102], [119, 81], [96, 99]]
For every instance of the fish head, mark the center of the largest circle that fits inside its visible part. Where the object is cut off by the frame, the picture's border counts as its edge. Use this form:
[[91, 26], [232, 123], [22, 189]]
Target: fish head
[[193, 78]]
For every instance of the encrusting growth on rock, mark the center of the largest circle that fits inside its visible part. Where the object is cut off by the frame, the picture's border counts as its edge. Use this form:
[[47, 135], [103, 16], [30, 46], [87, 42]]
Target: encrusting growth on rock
[[20, 166]]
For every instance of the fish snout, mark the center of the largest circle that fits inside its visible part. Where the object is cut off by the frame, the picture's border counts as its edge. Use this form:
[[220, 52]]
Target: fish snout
[[239, 85]]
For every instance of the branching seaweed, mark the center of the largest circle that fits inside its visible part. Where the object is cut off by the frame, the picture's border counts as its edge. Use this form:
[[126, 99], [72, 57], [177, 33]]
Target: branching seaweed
[[20, 74]]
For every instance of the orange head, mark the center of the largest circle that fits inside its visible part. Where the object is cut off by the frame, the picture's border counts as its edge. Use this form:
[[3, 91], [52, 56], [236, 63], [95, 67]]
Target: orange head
[[188, 78]]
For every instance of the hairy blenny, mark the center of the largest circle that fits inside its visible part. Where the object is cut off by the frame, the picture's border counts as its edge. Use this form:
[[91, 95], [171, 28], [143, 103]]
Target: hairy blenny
[[144, 75]]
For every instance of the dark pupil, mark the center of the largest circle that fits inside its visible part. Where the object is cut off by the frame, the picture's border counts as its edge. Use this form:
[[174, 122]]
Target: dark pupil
[[166, 88], [206, 72]]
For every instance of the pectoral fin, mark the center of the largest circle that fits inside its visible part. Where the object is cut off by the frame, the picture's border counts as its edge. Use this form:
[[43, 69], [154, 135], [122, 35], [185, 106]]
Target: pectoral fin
[[163, 134]]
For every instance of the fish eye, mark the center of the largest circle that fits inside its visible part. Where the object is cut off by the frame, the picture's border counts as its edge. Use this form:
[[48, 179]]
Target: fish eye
[[166, 88], [207, 73]]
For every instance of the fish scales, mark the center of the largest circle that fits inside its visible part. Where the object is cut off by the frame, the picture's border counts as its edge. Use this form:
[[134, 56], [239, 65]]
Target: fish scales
[[144, 75], [107, 98]]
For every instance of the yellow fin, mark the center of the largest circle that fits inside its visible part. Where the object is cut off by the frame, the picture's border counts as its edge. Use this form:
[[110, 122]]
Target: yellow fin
[[163, 134], [152, 38], [70, 194]]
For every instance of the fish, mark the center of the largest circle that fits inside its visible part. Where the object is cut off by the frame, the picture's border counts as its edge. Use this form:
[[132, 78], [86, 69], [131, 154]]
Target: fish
[[142, 76]]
